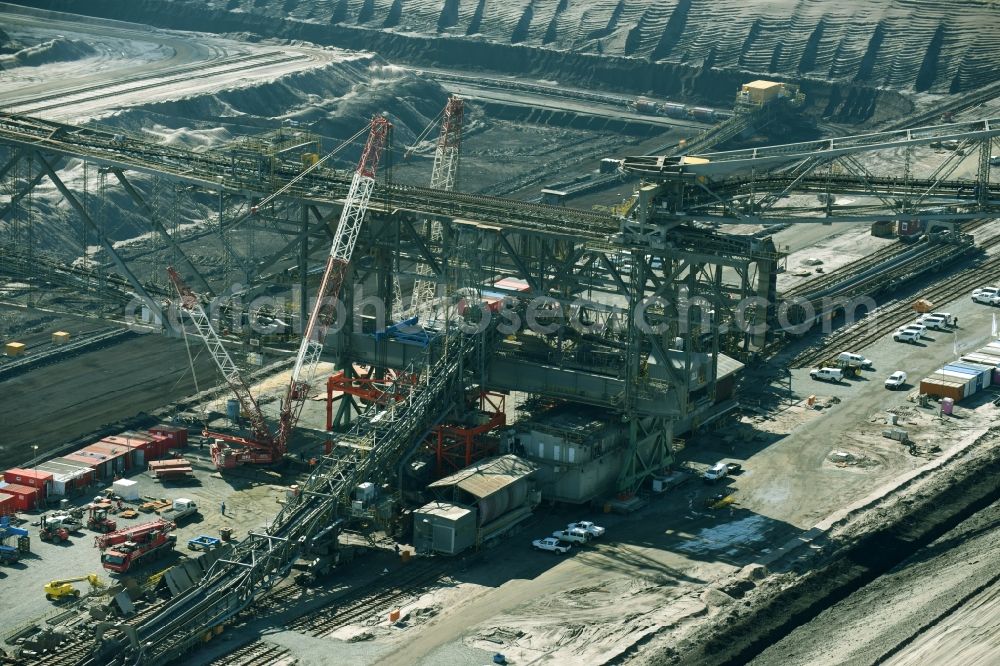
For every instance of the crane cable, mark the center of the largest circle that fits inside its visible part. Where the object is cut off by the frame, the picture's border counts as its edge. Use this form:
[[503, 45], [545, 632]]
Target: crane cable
[[191, 359], [423, 135]]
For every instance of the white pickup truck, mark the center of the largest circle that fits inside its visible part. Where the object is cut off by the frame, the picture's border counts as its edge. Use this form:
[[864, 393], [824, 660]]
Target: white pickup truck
[[181, 508], [827, 374], [551, 544], [573, 535]]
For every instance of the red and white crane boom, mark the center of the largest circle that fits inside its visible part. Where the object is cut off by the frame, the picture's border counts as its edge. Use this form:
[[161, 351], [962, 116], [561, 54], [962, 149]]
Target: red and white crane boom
[[266, 448], [443, 177], [323, 311], [261, 446]]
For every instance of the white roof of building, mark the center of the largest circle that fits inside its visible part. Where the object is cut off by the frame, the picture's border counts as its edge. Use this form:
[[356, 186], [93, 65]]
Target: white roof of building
[[445, 510]]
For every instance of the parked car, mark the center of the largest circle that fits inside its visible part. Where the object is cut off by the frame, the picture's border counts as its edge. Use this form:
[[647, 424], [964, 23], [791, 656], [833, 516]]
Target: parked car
[[573, 536], [854, 360], [551, 544], [949, 318], [919, 329], [906, 335], [588, 527], [896, 380], [986, 295], [932, 321], [719, 470], [734, 468], [827, 374]]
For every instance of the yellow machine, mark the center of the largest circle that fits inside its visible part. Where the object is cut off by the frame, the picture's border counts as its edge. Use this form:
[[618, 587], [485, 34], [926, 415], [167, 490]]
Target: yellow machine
[[58, 589]]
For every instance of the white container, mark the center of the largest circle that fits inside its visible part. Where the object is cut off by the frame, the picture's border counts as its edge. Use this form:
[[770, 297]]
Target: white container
[[126, 489]]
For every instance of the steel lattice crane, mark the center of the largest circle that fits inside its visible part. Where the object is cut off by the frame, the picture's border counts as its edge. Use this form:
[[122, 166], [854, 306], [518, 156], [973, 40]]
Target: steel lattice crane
[[260, 449], [344, 240], [266, 448], [443, 177]]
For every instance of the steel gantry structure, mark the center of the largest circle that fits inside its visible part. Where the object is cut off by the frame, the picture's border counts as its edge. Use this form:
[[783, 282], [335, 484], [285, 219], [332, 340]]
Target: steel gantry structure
[[588, 275], [587, 266], [573, 259], [752, 185]]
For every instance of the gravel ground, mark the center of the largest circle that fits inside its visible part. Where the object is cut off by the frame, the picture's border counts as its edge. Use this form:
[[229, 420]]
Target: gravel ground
[[250, 501], [860, 546], [920, 593], [51, 405]]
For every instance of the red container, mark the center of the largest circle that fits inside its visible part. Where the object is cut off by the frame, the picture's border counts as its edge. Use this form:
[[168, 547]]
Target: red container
[[175, 436], [29, 477], [118, 456], [70, 467], [26, 498], [8, 504]]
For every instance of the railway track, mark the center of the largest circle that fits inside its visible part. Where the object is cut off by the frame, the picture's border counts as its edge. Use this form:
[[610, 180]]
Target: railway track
[[953, 106], [893, 314], [257, 654], [811, 287], [360, 605], [829, 279], [190, 75]]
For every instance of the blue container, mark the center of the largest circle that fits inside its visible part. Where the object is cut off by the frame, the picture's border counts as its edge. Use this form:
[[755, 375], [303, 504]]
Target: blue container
[[980, 374], [233, 411]]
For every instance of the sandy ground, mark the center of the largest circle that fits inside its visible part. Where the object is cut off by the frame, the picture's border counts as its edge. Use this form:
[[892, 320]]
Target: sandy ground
[[128, 50]]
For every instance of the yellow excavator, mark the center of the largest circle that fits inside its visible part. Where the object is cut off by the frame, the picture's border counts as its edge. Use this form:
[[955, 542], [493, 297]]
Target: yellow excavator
[[59, 589]]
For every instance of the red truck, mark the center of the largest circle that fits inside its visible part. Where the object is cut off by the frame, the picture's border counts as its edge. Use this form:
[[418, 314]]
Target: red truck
[[134, 545]]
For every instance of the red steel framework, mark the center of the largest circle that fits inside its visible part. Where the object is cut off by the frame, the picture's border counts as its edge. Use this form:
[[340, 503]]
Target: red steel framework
[[457, 447], [366, 388]]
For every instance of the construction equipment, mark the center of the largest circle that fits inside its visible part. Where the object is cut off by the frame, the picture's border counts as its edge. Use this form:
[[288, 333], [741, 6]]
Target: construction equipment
[[128, 547], [62, 588], [848, 369], [97, 519], [443, 177], [57, 528], [203, 542], [132, 533], [263, 447], [10, 554]]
